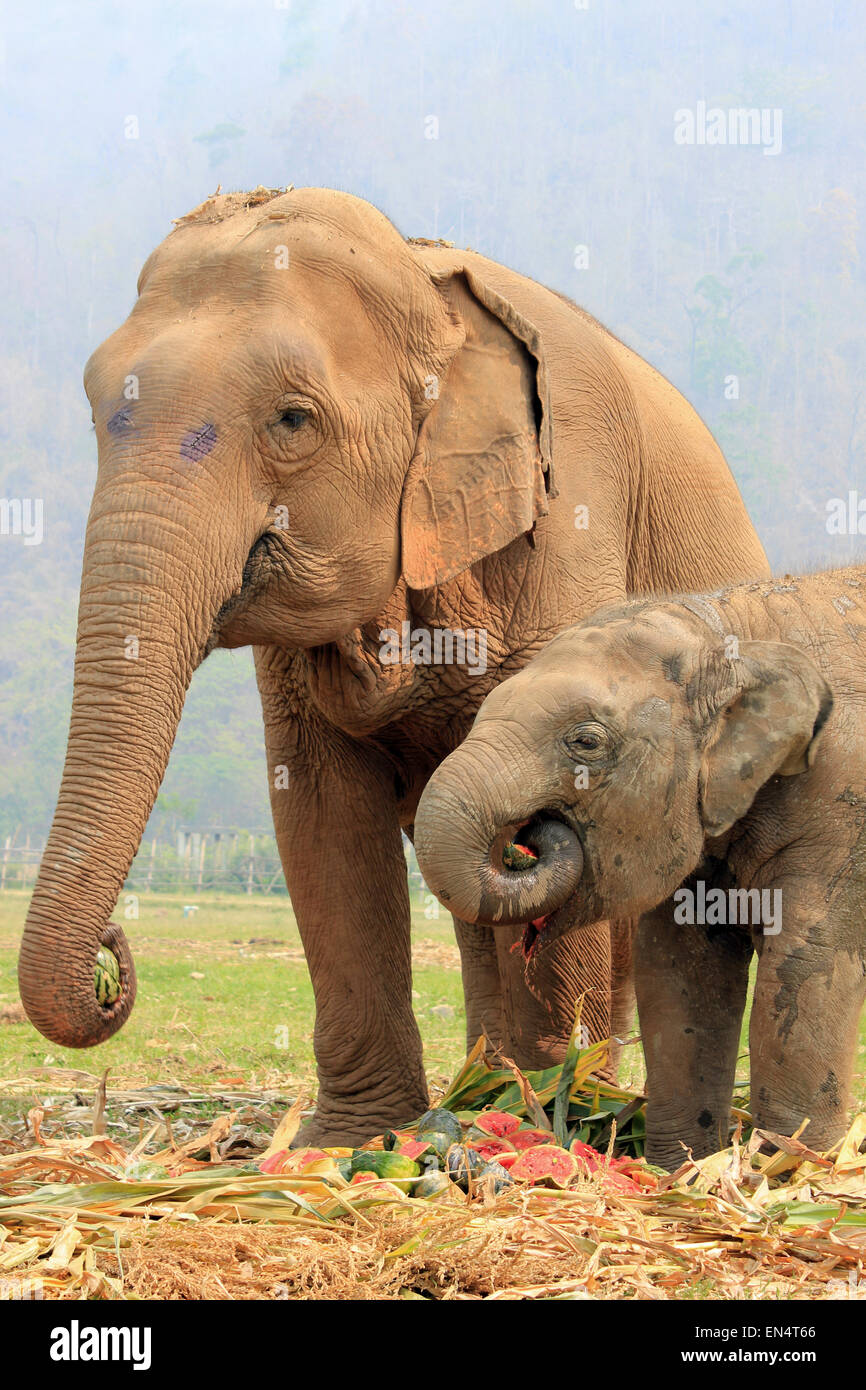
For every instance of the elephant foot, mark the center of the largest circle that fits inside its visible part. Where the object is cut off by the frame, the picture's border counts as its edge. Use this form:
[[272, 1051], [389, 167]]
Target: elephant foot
[[333, 1128], [670, 1154]]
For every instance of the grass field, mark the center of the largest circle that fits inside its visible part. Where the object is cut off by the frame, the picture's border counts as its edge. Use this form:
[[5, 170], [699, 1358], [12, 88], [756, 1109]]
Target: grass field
[[224, 995]]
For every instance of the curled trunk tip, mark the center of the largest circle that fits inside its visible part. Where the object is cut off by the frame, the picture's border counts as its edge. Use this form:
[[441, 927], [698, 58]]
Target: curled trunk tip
[[100, 1001], [492, 869]]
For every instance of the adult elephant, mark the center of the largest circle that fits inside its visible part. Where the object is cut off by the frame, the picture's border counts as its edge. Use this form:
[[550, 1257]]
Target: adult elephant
[[311, 433]]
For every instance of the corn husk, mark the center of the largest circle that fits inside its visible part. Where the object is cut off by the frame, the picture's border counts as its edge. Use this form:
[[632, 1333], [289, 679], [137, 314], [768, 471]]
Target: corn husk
[[98, 1216]]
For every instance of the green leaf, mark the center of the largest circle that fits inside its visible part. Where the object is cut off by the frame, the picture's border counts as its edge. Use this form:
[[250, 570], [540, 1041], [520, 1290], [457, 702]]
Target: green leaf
[[565, 1084]]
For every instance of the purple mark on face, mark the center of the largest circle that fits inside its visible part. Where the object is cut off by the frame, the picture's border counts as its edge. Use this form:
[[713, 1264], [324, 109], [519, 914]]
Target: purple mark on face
[[198, 443], [120, 422]]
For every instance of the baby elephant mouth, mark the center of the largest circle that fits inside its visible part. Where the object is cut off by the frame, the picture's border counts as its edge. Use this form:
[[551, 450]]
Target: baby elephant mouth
[[529, 874], [528, 943]]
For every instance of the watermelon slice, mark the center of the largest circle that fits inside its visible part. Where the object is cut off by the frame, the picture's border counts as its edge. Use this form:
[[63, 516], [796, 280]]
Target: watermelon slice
[[618, 1182], [507, 1161], [546, 1163], [493, 1148], [374, 1186], [518, 857], [274, 1163], [529, 1138], [392, 1139], [291, 1160], [414, 1148], [497, 1123], [589, 1157], [638, 1172], [616, 1175]]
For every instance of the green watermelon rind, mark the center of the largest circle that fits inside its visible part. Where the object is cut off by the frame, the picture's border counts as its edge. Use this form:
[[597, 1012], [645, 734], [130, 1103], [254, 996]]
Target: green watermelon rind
[[383, 1163], [440, 1122]]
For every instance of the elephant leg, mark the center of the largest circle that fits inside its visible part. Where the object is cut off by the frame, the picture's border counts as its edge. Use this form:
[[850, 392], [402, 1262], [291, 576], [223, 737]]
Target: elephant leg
[[482, 989], [538, 1001], [809, 993], [335, 815], [691, 992], [622, 996]]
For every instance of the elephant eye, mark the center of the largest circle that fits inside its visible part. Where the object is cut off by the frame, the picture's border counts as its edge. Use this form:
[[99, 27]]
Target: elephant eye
[[587, 738], [292, 418]]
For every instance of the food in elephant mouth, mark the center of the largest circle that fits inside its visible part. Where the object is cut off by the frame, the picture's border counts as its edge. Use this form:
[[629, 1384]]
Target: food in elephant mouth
[[264, 561], [531, 933], [517, 857]]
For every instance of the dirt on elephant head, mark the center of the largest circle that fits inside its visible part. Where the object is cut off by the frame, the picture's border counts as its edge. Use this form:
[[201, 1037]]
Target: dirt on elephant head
[[220, 206]]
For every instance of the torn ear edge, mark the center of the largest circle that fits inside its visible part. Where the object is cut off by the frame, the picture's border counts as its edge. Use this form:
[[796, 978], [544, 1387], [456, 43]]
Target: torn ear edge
[[530, 336], [481, 474]]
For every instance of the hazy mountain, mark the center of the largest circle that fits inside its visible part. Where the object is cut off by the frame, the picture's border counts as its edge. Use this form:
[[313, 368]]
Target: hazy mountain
[[561, 148]]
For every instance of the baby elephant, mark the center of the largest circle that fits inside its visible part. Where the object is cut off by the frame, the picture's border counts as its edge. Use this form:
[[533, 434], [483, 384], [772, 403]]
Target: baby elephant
[[684, 760]]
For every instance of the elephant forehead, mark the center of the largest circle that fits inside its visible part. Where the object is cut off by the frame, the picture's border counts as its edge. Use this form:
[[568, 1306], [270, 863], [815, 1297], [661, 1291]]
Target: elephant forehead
[[601, 656], [561, 695], [218, 346], [653, 715], [281, 257], [630, 647], [159, 352]]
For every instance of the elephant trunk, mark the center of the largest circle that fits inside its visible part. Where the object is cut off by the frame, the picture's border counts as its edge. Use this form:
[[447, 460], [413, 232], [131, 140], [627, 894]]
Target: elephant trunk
[[144, 620], [466, 855]]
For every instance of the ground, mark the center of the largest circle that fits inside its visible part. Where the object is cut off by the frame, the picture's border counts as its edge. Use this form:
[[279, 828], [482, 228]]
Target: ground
[[220, 1038], [224, 994]]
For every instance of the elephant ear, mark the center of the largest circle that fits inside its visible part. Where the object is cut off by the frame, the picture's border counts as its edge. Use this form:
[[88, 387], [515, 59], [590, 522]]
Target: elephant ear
[[481, 471], [769, 709]]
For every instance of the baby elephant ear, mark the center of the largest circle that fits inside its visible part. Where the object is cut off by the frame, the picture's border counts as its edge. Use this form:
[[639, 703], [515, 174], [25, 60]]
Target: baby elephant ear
[[772, 704], [480, 474]]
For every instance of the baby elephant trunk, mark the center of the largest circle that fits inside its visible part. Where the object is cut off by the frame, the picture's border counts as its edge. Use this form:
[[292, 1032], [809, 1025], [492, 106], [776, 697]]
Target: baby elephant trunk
[[498, 870]]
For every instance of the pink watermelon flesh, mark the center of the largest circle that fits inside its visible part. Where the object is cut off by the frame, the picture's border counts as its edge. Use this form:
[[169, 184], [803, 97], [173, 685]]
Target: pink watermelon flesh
[[588, 1156], [545, 1162], [616, 1173], [291, 1160], [529, 1138], [493, 1148], [497, 1123], [413, 1148], [507, 1161], [618, 1182]]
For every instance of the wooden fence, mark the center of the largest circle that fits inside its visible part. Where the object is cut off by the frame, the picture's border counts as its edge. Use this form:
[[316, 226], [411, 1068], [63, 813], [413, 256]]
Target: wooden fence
[[19, 862], [188, 861]]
